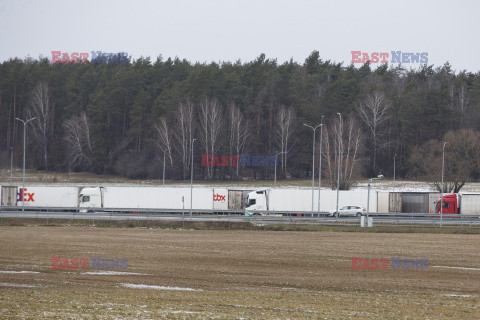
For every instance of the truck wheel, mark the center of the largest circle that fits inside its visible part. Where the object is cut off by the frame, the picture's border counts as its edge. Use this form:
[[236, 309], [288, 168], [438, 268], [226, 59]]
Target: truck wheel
[[358, 214], [335, 214]]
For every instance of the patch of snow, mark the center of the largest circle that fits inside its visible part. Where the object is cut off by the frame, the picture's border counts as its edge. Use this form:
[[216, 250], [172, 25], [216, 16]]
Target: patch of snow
[[144, 286], [457, 295], [461, 268], [17, 285], [181, 311]]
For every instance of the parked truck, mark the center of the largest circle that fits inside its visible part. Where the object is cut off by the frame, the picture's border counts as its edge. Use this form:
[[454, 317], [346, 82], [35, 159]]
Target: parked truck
[[124, 197], [299, 201], [161, 198], [459, 203]]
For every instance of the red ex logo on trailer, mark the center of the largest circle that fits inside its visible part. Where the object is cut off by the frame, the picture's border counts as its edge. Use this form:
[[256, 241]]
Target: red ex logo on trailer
[[218, 197]]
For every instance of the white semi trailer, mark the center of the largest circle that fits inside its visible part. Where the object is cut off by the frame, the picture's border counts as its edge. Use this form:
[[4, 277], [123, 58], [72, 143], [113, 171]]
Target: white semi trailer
[[300, 200], [40, 196], [154, 198], [124, 197]]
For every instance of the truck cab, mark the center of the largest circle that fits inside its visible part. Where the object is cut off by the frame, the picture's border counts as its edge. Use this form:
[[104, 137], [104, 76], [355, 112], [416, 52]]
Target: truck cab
[[90, 198], [257, 200], [449, 203]]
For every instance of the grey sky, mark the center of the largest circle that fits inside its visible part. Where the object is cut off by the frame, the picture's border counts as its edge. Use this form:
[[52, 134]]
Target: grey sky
[[215, 30]]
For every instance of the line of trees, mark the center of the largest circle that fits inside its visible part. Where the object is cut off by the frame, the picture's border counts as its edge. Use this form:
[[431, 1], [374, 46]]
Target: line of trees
[[121, 118]]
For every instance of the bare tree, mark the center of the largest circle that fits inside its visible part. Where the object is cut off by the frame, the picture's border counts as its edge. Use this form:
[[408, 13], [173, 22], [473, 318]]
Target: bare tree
[[204, 130], [374, 111], [77, 138], [41, 108], [283, 133], [351, 147], [211, 122], [462, 159], [185, 127], [165, 138], [239, 131]]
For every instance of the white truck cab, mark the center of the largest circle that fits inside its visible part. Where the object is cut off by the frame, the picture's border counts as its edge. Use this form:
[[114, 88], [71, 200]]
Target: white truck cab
[[91, 198], [257, 200]]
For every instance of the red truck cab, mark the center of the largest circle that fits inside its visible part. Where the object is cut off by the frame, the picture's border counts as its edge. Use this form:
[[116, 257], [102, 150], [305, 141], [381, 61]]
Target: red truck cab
[[450, 204]]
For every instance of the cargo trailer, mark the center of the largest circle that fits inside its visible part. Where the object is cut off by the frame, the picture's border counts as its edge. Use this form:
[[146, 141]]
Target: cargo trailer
[[461, 203], [9, 196], [48, 197], [165, 198], [300, 200]]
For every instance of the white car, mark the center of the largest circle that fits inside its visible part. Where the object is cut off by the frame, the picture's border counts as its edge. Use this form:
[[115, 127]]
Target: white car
[[354, 211]]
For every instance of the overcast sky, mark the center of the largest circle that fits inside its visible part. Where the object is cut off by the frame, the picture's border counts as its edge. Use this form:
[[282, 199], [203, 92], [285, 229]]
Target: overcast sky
[[216, 30]]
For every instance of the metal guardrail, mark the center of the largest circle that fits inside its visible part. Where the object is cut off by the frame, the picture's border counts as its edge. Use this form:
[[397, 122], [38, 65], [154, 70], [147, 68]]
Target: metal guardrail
[[311, 214], [385, 219]]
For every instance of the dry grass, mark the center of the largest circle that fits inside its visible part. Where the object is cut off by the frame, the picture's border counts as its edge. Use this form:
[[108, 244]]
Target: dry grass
[[246, 225], [242, 274]]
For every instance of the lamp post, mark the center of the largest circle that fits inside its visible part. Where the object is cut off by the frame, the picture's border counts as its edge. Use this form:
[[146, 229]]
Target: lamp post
[[163, 183], [368, 194], [276, 162], [191, 181], [24, 142], [313, 161], [11, 165], [441, 197], [339, 156], [394, 166], [320, 164]]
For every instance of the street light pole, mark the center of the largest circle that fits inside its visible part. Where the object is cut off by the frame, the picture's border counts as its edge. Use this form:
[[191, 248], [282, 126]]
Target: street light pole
[[275, 178], [339, 153], [313, 161], [320, 165], [368, 194], [24, 142], [276, 162], [11, 165], [368, 198], [441, 197], [163, 183], [394, 164], [191, 181]]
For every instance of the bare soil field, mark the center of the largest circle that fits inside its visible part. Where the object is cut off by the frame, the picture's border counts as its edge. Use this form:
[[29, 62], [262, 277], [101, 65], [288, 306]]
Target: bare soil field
[[190, 274]]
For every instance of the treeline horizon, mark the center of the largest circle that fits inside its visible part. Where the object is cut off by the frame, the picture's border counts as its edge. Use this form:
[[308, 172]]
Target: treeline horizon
[[121, 118]]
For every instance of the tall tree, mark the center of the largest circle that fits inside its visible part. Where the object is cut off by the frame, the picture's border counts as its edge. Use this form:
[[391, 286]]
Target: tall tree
[[284, 130], [185, 128], [41, 107], [350, 151], [78, 140], [374, 110], [211, 124], [239, 131], [165, 138]]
